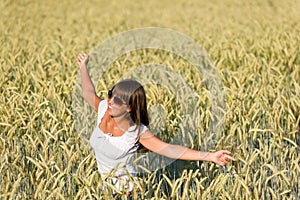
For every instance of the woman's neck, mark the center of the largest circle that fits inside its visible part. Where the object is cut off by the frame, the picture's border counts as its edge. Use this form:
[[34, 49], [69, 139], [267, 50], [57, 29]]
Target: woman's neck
[[121, 122]]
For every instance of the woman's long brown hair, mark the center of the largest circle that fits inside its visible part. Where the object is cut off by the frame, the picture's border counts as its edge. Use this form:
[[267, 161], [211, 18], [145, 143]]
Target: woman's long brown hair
[[133, 93]]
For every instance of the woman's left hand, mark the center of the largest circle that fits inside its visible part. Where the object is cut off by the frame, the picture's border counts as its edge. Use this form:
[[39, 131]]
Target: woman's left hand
[[221, 157]]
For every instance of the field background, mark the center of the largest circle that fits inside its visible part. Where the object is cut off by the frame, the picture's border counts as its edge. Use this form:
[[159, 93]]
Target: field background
[[254, 44]]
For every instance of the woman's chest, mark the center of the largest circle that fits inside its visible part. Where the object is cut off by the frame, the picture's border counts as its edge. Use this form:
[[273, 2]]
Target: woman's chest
[[109, 126], [108, 147]]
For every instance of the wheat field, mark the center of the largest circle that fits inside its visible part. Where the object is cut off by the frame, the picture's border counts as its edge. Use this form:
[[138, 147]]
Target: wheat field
[[253, 44]]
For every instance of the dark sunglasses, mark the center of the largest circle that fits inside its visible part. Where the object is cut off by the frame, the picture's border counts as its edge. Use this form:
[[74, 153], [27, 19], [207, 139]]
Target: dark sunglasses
[[118, 101]]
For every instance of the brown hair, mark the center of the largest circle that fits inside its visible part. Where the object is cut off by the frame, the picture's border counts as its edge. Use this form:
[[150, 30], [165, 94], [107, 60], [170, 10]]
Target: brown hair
[[133, 93]]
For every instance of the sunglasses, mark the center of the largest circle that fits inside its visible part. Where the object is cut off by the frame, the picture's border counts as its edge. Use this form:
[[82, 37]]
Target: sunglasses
[[118, 101]]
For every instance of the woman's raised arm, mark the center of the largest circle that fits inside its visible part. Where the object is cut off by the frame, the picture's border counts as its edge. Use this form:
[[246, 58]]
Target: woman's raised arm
[[88, 88], [158, 146]]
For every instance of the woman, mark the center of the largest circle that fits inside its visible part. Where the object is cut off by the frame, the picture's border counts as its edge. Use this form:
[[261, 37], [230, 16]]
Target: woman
[[122, 127]]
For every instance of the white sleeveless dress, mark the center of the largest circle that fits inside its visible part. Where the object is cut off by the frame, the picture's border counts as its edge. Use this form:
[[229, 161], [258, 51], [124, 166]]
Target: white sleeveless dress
[[115, 153]]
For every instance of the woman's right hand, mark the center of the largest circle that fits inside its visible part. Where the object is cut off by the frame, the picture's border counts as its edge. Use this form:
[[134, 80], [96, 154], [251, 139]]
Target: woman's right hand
[[82, 60]]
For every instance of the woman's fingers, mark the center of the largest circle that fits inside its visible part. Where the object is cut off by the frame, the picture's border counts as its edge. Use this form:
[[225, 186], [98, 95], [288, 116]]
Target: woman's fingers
[[227, 157], [82, 58], [223, 157], [225, 154]]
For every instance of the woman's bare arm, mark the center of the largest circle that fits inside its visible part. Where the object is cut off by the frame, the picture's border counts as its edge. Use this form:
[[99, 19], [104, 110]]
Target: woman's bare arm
[[156, 145], [88, 88]]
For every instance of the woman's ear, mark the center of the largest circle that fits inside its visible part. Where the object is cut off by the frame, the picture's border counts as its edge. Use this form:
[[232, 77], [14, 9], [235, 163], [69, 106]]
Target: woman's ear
[[128, 109]]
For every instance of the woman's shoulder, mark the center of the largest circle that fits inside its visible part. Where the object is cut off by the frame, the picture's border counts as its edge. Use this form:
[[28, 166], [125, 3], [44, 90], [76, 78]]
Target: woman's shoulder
[[102, 104], [137, 130], [102, 107], [143, 128]]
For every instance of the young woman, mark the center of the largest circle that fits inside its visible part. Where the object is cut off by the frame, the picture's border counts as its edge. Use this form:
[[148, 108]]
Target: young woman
[[122, 126]]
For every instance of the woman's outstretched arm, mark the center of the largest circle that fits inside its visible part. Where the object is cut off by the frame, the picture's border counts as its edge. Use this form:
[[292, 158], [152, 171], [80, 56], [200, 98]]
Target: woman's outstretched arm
[[156, 145], [88, 88]]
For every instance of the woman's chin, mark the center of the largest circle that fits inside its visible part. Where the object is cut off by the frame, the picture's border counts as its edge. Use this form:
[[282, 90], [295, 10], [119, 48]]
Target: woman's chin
[[110, 112]]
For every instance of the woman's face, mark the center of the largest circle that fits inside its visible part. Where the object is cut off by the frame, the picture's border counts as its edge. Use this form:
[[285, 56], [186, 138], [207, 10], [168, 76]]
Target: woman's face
[[117, 107]]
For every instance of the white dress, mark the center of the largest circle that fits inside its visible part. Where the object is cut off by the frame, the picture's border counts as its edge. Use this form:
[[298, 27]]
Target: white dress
[[115, 153]]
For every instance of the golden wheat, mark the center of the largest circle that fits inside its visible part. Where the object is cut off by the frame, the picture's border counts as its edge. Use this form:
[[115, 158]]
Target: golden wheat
[[254, 45]]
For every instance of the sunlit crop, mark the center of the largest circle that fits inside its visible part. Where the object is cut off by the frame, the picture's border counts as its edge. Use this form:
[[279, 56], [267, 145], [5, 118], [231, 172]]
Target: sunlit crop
[[254, 45]]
